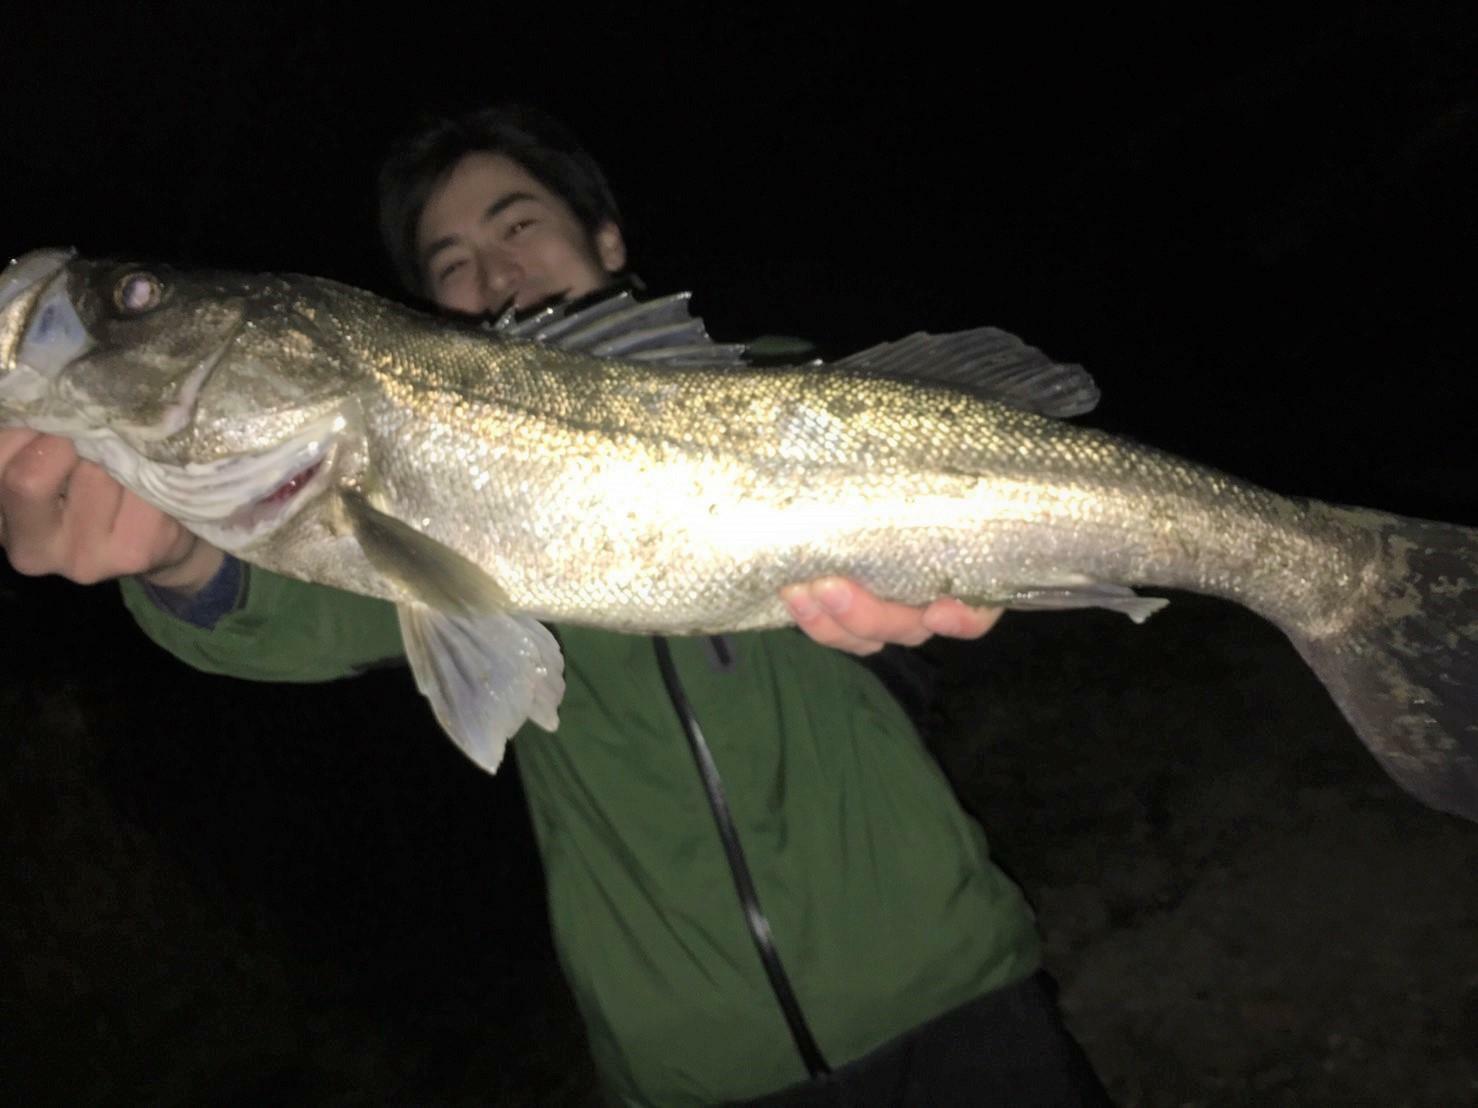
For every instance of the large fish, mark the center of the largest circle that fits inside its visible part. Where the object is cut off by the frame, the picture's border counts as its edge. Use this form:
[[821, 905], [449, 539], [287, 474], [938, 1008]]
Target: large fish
[[614, 467]]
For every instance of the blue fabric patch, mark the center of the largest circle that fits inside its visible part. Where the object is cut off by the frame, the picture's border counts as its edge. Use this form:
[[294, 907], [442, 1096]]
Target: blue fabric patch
[[220, 597]]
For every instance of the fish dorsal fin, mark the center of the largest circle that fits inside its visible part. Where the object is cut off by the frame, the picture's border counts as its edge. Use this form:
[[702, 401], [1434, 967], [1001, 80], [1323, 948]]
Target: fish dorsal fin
[[661, 331], [988, 361]]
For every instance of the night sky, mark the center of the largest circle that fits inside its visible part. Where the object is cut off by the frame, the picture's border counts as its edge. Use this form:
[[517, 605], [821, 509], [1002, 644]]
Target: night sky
[[1259, 234]]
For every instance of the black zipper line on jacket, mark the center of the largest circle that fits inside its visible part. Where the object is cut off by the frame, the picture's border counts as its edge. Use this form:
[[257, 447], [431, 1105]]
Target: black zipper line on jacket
[[754, 916]]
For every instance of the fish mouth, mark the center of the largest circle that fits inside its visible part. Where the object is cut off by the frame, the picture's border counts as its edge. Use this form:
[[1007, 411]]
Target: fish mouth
[[22, 284], [26, 288]]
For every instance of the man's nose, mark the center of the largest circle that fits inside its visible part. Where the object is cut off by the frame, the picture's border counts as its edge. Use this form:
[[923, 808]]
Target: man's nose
[[501, 276]]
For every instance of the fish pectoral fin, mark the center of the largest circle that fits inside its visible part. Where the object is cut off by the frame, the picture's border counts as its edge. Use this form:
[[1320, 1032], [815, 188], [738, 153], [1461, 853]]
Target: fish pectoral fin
[[484, 674], [484, 669], [434, 573], [1089, 594]]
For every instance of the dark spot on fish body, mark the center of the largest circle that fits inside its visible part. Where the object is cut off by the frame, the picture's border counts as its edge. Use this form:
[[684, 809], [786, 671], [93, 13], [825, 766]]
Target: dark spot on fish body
[[848, 407]]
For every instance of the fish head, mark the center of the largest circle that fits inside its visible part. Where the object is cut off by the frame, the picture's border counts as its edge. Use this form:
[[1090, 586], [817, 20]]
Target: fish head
[[89, 343], [215, 396]]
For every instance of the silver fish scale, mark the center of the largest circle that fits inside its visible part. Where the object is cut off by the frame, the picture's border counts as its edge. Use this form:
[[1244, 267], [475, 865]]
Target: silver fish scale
[[319, 431], [681, 500], [660, 499], [647, 498]]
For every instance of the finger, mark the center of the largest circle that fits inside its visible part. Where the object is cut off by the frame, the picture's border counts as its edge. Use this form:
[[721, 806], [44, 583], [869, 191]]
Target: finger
[[817, 621], [148, 538], [92, 501], [957, 620], [39, 469], [30, 489], [113, 533], [85, 551], [12, 441], [866, 617], [826, 631]]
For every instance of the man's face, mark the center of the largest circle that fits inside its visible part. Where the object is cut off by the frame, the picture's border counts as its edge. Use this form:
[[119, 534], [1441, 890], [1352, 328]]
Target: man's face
[[491, 236]]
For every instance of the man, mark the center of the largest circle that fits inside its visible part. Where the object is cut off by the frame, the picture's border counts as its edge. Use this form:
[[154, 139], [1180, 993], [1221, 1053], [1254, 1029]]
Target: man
[[760, 884]]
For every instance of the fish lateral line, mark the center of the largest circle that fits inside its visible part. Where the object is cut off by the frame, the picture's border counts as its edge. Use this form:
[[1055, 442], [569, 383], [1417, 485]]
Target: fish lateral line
[[311, 427]]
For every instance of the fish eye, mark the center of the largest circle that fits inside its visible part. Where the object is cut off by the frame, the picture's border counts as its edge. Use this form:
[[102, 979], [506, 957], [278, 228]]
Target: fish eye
[[137, 292]]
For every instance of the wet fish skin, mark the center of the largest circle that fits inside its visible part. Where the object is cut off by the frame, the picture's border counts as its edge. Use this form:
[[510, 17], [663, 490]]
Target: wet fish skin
[[329, 435]]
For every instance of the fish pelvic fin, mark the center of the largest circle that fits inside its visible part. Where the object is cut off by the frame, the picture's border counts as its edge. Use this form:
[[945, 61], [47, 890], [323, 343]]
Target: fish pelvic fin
[[484, 674], [1405, 672]]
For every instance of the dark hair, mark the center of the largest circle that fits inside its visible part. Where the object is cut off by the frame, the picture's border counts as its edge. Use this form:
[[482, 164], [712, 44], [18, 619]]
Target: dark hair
[[545, 149]]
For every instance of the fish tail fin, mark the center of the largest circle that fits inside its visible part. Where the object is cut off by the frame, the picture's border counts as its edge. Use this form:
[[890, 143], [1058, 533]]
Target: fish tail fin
[[1404, 669]]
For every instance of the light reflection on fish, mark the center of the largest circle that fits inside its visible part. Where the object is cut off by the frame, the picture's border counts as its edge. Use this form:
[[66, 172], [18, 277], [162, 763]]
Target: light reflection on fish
[[614, 467]]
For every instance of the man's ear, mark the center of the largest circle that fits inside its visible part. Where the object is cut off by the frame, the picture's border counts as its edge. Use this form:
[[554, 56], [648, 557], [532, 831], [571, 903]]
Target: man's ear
[[610, 247]]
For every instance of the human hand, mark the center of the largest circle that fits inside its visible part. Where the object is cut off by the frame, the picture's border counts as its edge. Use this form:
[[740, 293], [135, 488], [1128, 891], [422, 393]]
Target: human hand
[[60, 514], [840, 613]]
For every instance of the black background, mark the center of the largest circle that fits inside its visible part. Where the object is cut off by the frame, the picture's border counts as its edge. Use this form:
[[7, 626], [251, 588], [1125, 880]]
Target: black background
[[1258, 232]]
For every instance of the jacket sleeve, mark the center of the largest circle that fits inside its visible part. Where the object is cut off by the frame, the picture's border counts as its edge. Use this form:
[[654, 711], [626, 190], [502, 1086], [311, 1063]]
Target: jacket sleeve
[[279, 630]]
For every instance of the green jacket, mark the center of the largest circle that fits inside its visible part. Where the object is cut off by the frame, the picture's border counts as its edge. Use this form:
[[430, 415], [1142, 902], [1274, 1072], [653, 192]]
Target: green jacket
[[884, 905], [879, 891]]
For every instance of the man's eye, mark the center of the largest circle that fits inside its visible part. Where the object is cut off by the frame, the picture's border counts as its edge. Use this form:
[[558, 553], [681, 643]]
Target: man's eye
[[518, 226], [450, 268]]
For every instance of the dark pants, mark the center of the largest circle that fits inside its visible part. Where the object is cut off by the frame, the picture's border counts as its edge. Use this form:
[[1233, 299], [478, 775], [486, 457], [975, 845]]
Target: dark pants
[[1008, 1048]]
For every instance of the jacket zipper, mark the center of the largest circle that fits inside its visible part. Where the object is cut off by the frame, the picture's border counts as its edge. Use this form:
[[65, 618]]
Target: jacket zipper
[[754, 916]]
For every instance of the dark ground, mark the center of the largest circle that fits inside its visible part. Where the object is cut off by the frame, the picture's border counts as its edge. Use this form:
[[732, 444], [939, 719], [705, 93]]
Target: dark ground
[[1239, 905], [251, 895], [1259, 236]]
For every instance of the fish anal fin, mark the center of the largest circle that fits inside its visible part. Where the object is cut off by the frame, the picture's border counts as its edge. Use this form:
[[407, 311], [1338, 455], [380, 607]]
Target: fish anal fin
[[1089, 594]]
